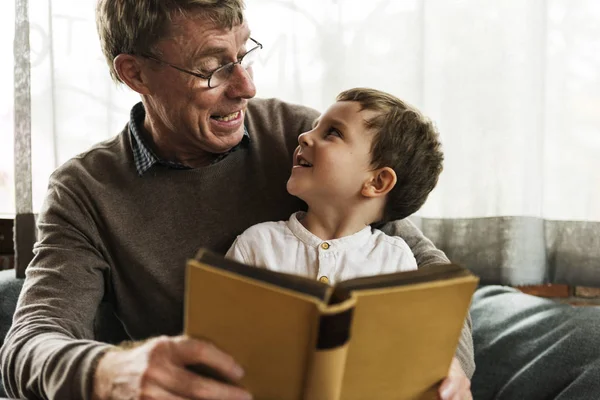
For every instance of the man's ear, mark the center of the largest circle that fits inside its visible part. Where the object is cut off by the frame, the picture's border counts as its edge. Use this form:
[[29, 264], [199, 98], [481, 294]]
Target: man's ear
[[129, 70], [382, 181]]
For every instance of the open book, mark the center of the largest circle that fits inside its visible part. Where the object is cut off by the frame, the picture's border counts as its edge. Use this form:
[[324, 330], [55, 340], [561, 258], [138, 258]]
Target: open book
[[381, 337]]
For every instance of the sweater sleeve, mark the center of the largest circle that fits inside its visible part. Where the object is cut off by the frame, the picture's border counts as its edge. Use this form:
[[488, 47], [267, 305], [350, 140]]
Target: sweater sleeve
[[49, 351], [426, 254]]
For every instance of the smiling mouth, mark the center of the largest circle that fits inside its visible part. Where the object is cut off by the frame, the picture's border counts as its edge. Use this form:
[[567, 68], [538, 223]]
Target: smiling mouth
[[302, 162], [227, 117]]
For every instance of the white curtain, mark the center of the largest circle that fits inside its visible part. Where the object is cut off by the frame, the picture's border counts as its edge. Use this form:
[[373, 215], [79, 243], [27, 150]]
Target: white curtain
[[7, 194], [513, 86]]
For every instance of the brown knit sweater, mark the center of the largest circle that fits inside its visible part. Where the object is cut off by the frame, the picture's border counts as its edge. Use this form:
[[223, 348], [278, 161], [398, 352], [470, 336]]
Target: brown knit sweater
[[106, 233]]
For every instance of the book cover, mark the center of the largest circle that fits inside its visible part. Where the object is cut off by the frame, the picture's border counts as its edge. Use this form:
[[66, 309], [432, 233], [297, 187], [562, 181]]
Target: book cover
[[383, 337]]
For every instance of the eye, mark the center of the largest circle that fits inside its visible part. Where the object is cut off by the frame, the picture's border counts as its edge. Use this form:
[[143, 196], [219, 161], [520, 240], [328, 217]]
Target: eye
[[207, 67], [332, 132]]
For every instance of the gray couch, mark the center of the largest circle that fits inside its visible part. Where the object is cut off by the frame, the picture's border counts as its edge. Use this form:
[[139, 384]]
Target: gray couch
[[525, 347]]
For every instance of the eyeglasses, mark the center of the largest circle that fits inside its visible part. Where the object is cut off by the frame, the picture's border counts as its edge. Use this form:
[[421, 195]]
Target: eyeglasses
[[221, 74]]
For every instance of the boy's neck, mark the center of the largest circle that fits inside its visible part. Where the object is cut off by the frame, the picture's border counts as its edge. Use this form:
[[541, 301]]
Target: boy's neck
[[329, 223]]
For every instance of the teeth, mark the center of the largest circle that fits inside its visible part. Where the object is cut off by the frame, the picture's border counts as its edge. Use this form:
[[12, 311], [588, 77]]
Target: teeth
[[304, 163], [228, 117]]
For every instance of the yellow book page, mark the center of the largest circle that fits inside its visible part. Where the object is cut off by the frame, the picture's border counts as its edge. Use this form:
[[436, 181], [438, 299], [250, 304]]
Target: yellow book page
[[403, 339]]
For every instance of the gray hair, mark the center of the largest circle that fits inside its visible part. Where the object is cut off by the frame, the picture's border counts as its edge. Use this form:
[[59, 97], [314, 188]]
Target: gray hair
[[135, 26]]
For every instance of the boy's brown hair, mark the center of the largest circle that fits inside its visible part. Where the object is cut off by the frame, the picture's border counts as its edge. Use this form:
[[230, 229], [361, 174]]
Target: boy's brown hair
[[136, 26], [405, 141]]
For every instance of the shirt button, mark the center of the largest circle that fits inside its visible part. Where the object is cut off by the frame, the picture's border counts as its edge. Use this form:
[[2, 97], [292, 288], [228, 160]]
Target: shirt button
[[324, 245], [324, 279]]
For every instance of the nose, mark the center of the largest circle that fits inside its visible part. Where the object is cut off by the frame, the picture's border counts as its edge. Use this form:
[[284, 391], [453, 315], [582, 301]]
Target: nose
[[241, 83], [305, 139]]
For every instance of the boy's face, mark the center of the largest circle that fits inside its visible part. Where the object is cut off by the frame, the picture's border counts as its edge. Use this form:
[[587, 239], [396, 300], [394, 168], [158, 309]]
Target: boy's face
[[333, 160]]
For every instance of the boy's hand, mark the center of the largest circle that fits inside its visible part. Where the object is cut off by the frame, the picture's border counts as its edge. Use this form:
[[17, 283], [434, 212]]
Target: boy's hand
[[456, 386]]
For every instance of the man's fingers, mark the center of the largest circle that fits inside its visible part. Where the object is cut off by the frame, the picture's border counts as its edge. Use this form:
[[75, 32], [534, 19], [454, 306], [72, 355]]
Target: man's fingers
[[194, 386], [456, 386], [168, 363], [462, 385], [188, 385], [157, 392], [191, 351], [448, 388]]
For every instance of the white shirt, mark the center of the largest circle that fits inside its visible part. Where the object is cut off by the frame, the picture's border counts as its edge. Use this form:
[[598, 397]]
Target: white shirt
[[287, 246]]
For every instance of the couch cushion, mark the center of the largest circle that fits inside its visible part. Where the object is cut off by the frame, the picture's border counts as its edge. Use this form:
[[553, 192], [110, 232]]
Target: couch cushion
[[532, 348], [10, 287]]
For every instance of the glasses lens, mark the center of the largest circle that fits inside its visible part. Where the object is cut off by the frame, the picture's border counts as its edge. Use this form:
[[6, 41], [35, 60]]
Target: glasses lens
[[250, 58], [222, 74]]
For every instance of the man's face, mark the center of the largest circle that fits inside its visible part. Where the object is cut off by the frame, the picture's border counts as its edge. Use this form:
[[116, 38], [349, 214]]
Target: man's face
[[333, 160], [182, 110]]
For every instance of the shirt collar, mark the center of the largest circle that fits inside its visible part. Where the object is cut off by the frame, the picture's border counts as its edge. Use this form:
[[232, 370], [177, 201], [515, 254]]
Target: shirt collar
[[355, 240], [143, 156]]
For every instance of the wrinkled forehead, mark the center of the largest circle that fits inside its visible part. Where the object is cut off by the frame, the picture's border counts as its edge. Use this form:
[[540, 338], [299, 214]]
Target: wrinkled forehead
[[194, 24], [198, 33]]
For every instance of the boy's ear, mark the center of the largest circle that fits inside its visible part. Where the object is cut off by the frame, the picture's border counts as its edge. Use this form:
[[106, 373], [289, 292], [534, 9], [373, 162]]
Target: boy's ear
[[382, 181], [129, 70]]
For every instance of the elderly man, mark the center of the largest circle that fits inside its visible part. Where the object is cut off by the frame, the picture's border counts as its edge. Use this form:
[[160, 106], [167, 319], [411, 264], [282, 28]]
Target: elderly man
[[197, 164]]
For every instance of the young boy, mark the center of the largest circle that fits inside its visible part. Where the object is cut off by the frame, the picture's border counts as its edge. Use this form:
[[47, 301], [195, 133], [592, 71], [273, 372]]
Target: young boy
[[369, 159]]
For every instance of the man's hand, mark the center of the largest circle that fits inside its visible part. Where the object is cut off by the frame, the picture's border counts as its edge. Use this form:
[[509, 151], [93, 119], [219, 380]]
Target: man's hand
[[456, 386], [157, 370]]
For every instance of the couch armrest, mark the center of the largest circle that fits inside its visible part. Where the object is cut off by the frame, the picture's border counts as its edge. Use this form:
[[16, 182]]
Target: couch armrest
[[10, 287], [528, 347]]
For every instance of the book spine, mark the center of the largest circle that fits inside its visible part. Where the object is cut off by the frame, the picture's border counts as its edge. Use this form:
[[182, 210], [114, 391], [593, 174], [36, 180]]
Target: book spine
[[326, 369]]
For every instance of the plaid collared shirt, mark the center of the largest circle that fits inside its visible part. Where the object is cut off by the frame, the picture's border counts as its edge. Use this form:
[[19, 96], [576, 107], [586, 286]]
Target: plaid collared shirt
[[144, 157]]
